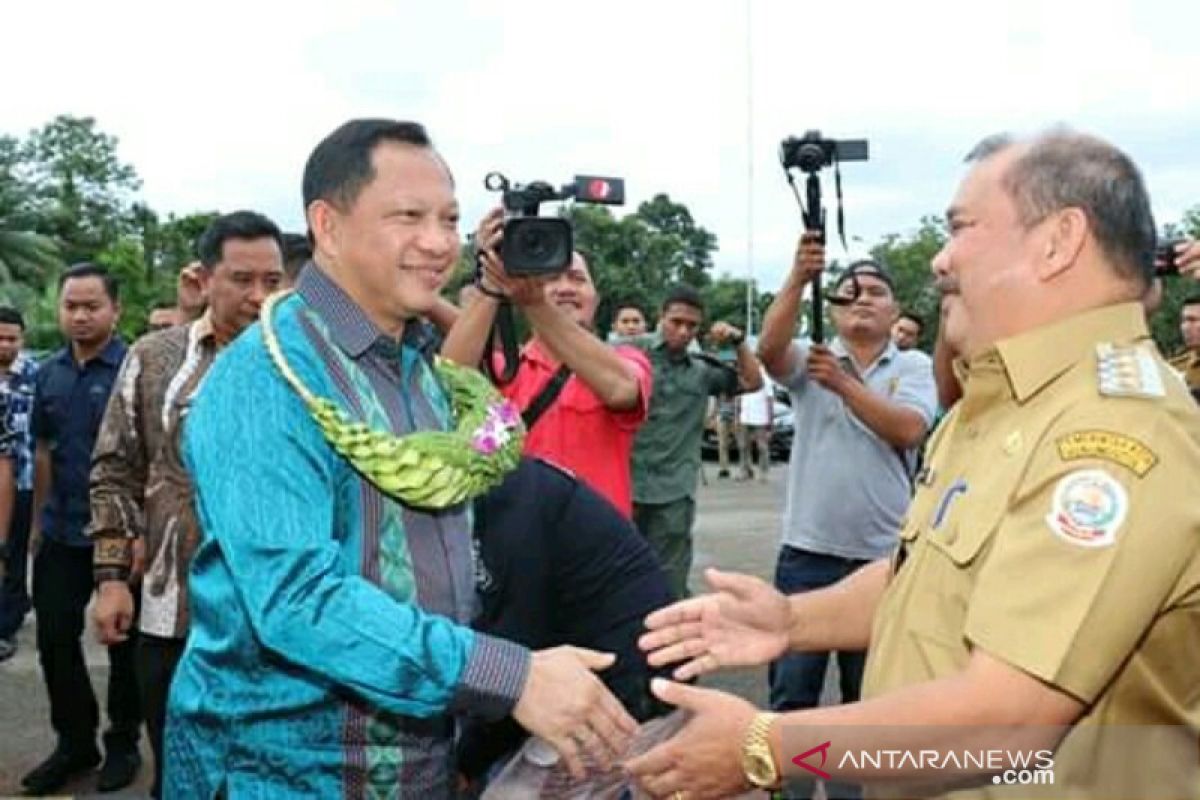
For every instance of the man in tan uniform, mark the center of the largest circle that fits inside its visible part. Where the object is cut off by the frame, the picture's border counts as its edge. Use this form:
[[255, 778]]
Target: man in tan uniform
[[1187, 363], [1049, 567]]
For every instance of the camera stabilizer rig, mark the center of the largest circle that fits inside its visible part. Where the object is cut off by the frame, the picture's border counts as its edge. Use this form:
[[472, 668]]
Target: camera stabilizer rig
[[810, 153]]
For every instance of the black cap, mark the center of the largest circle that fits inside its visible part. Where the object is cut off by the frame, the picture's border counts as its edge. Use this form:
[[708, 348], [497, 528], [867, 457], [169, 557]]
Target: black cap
[[870, 267]]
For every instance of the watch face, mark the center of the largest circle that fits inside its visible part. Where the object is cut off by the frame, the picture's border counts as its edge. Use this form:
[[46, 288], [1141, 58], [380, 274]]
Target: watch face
[[760, 769]]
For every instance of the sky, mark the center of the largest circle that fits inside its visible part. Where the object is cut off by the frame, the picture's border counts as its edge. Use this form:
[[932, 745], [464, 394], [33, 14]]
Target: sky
[[218, 104]]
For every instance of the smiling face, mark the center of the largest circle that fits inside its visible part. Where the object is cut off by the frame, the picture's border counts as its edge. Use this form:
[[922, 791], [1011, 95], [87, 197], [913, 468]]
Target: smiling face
[[573, 292], [393, 248], [986, 269]]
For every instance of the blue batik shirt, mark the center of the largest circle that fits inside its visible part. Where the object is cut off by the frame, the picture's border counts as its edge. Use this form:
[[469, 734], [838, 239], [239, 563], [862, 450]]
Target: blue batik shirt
[[16, 412], [329, 647]]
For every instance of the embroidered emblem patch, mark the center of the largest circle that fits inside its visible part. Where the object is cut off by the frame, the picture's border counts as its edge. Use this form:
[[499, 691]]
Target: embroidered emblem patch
[[1110, 446], [1088, 508]]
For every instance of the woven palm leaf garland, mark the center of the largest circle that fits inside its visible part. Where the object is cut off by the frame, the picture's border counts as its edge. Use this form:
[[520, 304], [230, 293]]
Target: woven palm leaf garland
[[427, 469]]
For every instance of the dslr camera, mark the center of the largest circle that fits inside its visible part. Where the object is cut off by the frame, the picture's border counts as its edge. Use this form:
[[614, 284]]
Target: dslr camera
[[810, 152], [535, 245]]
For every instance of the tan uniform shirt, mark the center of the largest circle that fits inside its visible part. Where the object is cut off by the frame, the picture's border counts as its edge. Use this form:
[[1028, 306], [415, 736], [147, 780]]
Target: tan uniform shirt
[[139, 486], [1057, 528]]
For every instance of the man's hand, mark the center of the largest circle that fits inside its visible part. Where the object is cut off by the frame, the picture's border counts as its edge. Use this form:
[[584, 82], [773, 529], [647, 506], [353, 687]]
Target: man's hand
[[138, 568], [744, 623], [703, 760], [1187, 256], [113, 612], [190, 295], [722, 333], [522, 291], [809, 259], [825, 368], [567, 705]]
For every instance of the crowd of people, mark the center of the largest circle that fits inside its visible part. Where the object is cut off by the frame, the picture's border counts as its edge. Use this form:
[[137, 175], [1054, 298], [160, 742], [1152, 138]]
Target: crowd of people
[[317, 572]]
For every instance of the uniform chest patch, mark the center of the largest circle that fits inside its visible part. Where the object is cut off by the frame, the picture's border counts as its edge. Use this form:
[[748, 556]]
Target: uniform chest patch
[[1115, 447], [1089, 507]]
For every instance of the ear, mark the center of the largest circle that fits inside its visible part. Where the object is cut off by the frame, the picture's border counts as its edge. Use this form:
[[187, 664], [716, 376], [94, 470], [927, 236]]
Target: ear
[[1063, 240], [324, 221]]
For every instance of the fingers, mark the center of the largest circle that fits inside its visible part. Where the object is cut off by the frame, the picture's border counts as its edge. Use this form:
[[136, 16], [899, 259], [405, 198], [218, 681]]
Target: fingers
[[593, 659], [683, 611], [742, 587], [655, 763], [569, 750], [665, 785], [674, 644], [680, 695]]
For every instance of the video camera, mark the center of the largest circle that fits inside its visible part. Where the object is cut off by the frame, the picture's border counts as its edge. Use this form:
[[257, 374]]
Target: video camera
[[1165, 264], [536, 245], [811, 152]]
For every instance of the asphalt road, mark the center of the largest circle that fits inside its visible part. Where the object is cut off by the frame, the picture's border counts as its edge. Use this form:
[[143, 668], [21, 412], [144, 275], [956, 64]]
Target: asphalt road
[[736, 528]]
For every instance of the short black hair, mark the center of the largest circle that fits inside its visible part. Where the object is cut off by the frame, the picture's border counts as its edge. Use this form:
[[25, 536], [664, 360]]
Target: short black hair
[[340, 166], [687, 295], [10, 316], [297, 251], [1191, 300], [210, 247], [86, 269], [871, 267], [915, 317], [621, 305]]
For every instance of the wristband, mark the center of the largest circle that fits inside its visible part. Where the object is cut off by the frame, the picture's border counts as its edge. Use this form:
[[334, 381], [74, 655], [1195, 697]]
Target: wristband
[[492, 294]]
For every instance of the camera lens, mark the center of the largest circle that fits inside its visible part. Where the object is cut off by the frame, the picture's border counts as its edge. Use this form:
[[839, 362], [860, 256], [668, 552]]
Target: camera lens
[[534, 243]]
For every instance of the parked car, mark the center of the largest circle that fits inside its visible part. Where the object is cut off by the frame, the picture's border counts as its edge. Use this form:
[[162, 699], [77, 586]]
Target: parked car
[[782, 430]]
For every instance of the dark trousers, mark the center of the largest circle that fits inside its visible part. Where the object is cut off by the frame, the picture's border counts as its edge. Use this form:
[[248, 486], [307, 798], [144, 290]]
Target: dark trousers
[[14, 597], [62, 587], [157, 658], [797, 678], [668, 529]]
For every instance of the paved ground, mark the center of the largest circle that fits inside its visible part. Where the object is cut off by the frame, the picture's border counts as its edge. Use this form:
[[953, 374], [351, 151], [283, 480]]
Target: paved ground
[[737, 528]]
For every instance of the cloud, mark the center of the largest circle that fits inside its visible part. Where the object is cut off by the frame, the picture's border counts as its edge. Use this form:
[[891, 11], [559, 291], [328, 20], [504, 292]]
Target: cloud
[[219, 104]]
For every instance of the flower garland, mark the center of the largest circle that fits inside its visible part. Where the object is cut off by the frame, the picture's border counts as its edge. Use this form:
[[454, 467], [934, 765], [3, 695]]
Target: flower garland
[[428, 469]]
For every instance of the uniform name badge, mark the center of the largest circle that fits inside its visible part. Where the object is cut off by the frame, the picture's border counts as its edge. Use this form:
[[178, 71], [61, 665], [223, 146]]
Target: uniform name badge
[[1089, 506]]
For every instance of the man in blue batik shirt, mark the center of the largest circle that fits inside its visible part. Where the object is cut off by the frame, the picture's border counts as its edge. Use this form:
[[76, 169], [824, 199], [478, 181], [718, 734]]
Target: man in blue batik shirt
[[17, 374], [330, 647]]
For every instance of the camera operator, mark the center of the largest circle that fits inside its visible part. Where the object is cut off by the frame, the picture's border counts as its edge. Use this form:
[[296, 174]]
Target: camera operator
[[862, 407], [598, 394]]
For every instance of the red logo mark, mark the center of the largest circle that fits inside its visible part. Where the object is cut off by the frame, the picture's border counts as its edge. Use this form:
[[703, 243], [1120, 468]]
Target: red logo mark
[[598, 189], [824, 751]]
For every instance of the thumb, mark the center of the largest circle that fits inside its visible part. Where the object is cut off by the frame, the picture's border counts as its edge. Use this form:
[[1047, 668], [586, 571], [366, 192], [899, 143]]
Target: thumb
[[742, 587], [594, 659], [680, 695]]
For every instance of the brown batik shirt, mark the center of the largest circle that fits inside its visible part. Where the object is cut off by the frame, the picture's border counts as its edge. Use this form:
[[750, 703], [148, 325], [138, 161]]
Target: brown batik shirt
[[139, 486]]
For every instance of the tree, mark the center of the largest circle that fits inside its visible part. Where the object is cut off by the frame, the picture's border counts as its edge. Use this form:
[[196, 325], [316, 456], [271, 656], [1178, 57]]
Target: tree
[[80, 191], [909, 260], [637, 257], [25, 257]]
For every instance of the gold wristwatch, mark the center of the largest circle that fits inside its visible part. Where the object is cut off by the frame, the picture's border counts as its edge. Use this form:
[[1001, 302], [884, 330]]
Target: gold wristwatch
[[757, 761]]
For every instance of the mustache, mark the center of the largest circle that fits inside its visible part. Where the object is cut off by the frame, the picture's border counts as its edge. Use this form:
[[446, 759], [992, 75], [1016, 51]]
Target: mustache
[[946, 284]]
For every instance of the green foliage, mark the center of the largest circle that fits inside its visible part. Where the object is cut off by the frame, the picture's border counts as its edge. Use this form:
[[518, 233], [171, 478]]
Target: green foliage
[[637, 257], [909, 258]]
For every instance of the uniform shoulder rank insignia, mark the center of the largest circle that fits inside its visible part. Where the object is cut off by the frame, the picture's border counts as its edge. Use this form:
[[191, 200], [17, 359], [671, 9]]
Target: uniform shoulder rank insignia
[[1110, 446], [1128, 371]]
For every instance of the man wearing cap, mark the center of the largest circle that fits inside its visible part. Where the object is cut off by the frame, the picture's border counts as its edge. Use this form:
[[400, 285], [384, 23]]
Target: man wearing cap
[[862, 407]]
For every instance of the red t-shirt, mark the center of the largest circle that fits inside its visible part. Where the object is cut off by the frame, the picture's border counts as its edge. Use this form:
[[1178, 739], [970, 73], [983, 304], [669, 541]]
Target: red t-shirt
[[577, 431]]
